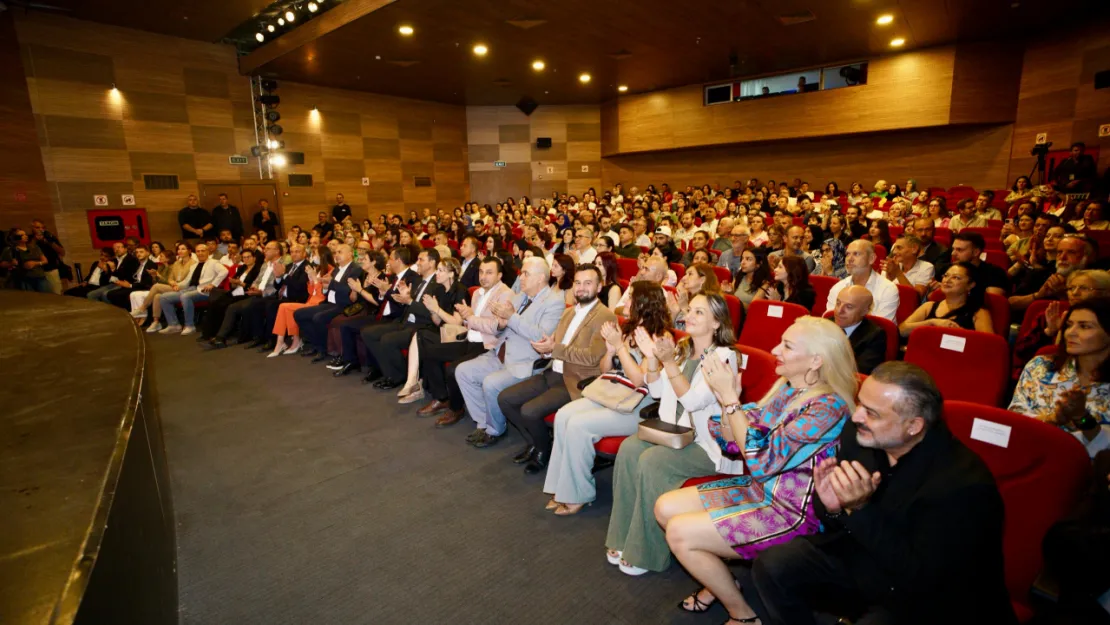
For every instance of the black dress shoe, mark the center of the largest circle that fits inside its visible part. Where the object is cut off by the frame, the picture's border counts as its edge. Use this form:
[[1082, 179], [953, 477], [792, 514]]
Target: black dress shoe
[[204, 339], [335, 362], [373, 376], [538, 462], [319, 358], [216, 343], [525, 455], [347, 368], [255, 344], [267, 347], [387, 384], [307, 352]]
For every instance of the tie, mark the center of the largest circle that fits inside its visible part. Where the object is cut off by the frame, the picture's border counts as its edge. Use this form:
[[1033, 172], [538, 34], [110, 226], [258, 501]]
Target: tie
[[524, 305]]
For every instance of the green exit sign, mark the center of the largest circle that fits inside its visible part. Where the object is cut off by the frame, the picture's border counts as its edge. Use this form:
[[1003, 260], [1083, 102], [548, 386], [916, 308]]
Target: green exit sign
[[237, 160], [499, 163]]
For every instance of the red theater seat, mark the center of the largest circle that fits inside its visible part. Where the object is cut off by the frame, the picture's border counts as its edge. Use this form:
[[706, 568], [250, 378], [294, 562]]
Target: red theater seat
[[908, 301], [998, 306], [679, 269], [1042, 473], [628, 268], [766, 321], [723, 274], [758, 369], [966, 365], [735, 312], [822, 285]]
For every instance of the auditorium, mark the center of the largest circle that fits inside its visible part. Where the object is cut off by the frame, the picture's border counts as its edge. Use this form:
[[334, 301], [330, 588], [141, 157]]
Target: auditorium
[[460, 311]]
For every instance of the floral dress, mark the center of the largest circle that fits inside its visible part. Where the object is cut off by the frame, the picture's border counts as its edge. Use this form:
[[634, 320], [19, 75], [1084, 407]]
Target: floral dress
[[1039, 388], [774, 502]]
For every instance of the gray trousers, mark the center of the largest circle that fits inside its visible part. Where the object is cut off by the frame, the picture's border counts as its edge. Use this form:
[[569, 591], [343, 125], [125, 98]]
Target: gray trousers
[[643, 472], [578, 425]]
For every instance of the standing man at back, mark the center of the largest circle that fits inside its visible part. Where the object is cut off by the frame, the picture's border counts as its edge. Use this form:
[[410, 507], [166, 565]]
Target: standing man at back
[[227, 217]]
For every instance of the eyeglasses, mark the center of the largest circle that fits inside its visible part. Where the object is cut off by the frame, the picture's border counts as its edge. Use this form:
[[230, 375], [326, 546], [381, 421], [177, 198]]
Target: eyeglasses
[[1083, 289]]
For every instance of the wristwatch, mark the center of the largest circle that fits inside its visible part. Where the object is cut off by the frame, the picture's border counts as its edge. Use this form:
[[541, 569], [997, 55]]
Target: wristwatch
[[1088, 422]]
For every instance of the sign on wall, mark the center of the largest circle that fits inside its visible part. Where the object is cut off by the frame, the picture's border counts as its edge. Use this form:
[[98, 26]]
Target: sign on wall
[[128, 200], [100, 200], [237, 160], [499, 163]]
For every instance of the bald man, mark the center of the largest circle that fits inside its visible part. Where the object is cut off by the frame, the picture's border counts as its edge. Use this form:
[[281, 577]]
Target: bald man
[[867, 338], [653, 270]]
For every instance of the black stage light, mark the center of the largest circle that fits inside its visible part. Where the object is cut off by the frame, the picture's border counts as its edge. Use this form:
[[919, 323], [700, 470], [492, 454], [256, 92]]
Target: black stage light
[[269, 85], [273, 116], [256, 151], [274, 129], [269, 100]]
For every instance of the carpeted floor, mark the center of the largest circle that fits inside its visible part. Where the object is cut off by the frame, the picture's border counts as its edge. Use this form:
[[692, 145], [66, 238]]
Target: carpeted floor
[[305, 499]]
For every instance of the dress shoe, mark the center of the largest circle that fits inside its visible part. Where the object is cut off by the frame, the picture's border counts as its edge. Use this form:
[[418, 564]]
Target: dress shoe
[[435, 407], [387, 384], [319, 358], [216, 343], [485, 439], [345, 369], [537, 463], [336, 362], [525, 455], [373, 376], [451, 417], [569, 509]]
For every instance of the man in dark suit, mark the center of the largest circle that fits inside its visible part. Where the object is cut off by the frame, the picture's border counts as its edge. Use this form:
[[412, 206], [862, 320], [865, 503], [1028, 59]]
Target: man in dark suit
[[140, 278], [868, 340], [292, 287], [468, 252], [227, 217], [912, 522], [313, 320], [384, 341], [126, 264]]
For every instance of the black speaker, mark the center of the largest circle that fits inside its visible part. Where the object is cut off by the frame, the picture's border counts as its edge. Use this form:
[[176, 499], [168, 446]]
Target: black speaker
[[295, 158], [543, 142], [1102, 79], [527, 105]]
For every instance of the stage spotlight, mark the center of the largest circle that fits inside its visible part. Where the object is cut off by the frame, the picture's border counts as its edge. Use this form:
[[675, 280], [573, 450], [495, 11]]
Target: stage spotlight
[[274, 129], [281, 21], [897, 43], [260, 37], [269, 100], [270, 28], [622, 88], [312, 7], [584, 78], [884, 19], [290, 16], [405, 30], [480, 49], [277, 160], [273, 116], [269, 85], [538, 65]]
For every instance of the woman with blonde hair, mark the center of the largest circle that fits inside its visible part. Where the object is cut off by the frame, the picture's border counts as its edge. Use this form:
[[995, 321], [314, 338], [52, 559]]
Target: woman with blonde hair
[[778, 441]]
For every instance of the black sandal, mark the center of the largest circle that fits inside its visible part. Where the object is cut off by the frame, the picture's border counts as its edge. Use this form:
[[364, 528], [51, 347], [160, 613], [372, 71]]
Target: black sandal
[[750, 619], [699, 607]]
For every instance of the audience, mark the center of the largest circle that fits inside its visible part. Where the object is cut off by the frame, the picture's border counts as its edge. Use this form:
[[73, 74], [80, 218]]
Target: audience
[[754, 280], [962, 306], [792, 283], [447, 276], [905, 266], [207, 274], [284, 323], [699, 279]]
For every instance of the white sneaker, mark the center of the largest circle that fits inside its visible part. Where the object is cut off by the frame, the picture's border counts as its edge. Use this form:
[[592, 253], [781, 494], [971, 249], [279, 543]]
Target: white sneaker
[[170, 330], [154, 327], [188, 330], [139, 314]]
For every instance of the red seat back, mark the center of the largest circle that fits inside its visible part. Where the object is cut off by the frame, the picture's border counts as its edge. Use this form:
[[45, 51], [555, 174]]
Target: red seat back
[[998, 306], [628, 268], [723, 274], [1036, 311], [735, 312], [758, 369], [880, 256], [678, 269], [908, 301], [426, 243], [822, 285], [895, 232], [1041, 473], [766, 321], [966, 365]]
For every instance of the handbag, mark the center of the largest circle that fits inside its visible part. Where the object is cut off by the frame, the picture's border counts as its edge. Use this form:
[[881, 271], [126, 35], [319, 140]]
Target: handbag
[[452, 333], [615, 392], [354, 309], [656, 431]]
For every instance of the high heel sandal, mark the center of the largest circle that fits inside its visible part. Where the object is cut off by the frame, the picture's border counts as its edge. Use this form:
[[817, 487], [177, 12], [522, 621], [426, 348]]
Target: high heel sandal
[[281, 348], [551, 505], [699, 605], [568, 509], [295, 350], [750, 619]]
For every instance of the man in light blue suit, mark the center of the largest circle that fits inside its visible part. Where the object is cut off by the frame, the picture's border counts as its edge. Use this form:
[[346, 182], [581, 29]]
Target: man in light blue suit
[[532, 315]]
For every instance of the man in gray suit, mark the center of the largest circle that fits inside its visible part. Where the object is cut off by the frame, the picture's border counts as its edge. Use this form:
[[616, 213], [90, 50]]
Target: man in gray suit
[[532, 315]]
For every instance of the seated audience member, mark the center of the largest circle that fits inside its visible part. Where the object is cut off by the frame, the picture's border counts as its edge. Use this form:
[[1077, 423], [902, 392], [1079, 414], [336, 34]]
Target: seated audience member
[[562, 276], [867, 338], [962, 307], [759, 236], [723, 242], [931, 251], [377, 292], [1020, 234], [264, 285], [1092, 218], [879, 233], [671, 278], [532, 315], [1045, 329], [1073, 253], [469, 261], [738, 242], [1033, 265], [628, 247], [99, 274], [603, 244], [575, 351], [583, 251], [698, 241], [967, 216], [793, 243], [700, 279], [178, 273], [284, 323], [829, 260], [755, 280], [582, 422], [610, 272], [666, 247], [313, 320], [792, 283], [968, 248], [1072, 388], [220, 299], [643, 471], [905, 266], [780, 440], [125, 270], [898, 466], [481, 336], [654, 270], [292, 287], [858, 261], [206, 276], [447, 276], [853, 222]]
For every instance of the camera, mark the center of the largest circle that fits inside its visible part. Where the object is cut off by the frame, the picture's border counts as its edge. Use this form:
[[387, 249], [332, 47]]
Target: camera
[[1041, 149]]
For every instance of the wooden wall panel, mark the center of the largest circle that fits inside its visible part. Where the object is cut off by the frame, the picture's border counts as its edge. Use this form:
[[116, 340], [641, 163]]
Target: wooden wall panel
[[973, 155]]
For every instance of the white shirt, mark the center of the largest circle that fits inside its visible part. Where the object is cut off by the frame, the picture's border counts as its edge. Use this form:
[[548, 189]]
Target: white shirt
[[884, 292], [586, 256], [400, 276], [482, 296], [643, 240], [338, 276], [850, 329], [580, 313], [419, 293], [95, 277], [921, 273]]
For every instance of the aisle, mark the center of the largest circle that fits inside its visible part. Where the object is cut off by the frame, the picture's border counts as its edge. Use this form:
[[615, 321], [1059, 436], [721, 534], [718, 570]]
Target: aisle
[[304, 499]]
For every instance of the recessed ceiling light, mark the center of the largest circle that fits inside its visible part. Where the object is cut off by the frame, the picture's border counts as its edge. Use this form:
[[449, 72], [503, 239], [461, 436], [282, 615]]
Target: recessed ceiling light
[[622, 88], [259, 36], [405, 30], [480, 49], [538, 65], [290, 16], [583, 78], [897, 42], [884, 19]]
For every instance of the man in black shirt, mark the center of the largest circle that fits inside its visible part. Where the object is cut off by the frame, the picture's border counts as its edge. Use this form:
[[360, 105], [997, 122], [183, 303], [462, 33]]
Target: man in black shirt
[[967, 247], [227, 217], [266, 219], [912, 522], [340, 211], [195, 222], [628, 247], [1076, 173], [856, 229], [931, 251], [52, 249]]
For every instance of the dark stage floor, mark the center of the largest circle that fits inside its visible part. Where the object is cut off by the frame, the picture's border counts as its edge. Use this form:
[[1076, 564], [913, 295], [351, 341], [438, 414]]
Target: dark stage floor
[[305, 499]]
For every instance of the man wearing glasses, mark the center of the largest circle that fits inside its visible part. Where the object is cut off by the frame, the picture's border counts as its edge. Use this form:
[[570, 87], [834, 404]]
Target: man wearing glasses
[[731, 258]]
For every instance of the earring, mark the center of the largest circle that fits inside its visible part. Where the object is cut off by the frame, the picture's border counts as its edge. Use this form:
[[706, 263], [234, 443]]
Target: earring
[[818, 376]]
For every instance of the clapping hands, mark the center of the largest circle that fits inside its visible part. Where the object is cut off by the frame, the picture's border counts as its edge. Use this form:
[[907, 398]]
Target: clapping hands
[[844, 486], [612, 335], [546, 345], [718, 375]]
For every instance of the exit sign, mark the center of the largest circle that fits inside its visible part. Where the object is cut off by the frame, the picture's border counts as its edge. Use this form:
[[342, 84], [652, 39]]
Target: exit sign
[[237, 160], [499, 163]]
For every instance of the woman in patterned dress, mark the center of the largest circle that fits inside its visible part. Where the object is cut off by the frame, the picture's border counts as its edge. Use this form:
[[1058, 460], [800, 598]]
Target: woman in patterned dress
[[780, 440]]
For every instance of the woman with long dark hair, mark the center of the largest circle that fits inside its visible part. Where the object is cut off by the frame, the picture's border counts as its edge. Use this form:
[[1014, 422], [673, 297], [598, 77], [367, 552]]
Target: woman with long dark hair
[[754, 280], [562, 277], [962, 306], [610, 293], [792, 282]]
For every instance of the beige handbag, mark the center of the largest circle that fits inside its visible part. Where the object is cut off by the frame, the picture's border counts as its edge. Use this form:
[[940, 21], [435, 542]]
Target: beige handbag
[[615, 392], [659, 432], [452, 333]]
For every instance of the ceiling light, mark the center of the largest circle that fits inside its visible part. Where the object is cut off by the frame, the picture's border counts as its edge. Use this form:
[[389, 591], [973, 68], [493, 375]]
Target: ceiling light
[[583, 78], [281, 21], [277, 160], [884, 19], [271, 28], [405, 30], [480, 49], [538, 65], [897, 42], [259, 36], [622, 88], [312, 7], [290, 16]]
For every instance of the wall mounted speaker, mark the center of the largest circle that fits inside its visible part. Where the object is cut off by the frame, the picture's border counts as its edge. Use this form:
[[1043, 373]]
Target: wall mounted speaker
[[543, 142], [1102, 79], [527, 105]]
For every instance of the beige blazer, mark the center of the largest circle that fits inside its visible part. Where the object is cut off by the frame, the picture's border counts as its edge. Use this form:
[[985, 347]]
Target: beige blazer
[[486, 323], [582, 357]]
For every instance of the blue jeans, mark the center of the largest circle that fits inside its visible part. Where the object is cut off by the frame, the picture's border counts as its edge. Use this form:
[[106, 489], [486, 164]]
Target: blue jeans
[[101, 294], [41, 285], [187, 297]]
